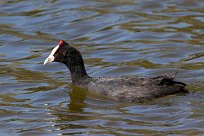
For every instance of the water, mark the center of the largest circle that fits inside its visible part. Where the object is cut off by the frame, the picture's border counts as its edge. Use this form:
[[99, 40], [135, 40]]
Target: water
[[116, 37]]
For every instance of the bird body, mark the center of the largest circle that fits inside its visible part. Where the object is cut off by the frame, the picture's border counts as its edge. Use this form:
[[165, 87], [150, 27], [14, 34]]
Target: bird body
[[135, 88], [122, 88]]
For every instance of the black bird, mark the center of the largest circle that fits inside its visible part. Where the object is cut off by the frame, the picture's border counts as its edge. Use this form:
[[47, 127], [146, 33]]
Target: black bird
[[123, 88]]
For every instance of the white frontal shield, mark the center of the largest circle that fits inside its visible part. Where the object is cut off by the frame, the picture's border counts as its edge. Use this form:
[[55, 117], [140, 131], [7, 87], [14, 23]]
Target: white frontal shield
[[51, 57]]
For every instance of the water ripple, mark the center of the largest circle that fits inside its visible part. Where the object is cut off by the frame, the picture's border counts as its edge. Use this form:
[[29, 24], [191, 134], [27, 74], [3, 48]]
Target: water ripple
[[116, 37]]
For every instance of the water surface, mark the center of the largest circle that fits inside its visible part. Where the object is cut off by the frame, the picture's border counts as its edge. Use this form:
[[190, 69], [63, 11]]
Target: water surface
[[116, 37]]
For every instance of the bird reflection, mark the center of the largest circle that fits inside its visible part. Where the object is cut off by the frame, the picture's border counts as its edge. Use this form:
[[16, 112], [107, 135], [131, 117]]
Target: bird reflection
[[77, 98]]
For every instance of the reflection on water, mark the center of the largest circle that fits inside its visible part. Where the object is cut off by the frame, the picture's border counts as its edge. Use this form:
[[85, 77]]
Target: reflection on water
[[116, 37], [77, 98]]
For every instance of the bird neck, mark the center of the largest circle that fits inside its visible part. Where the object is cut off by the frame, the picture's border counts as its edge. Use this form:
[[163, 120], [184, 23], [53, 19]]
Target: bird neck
[[77, 70]]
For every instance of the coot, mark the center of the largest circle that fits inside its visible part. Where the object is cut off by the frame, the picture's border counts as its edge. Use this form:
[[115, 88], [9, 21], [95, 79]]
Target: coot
[[123, 88]]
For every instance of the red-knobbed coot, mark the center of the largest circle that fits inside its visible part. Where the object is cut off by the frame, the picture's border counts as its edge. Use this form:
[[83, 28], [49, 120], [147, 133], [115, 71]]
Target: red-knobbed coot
[[123, 88]]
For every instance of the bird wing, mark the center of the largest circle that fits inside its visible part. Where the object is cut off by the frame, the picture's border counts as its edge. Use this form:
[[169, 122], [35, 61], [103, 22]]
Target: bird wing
[[167, 79]]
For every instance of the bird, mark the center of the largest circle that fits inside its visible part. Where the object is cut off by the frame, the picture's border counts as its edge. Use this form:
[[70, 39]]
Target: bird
[[122, 88]]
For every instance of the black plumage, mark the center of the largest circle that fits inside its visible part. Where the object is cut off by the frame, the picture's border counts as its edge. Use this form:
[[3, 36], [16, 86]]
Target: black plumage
[[123, 88]]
